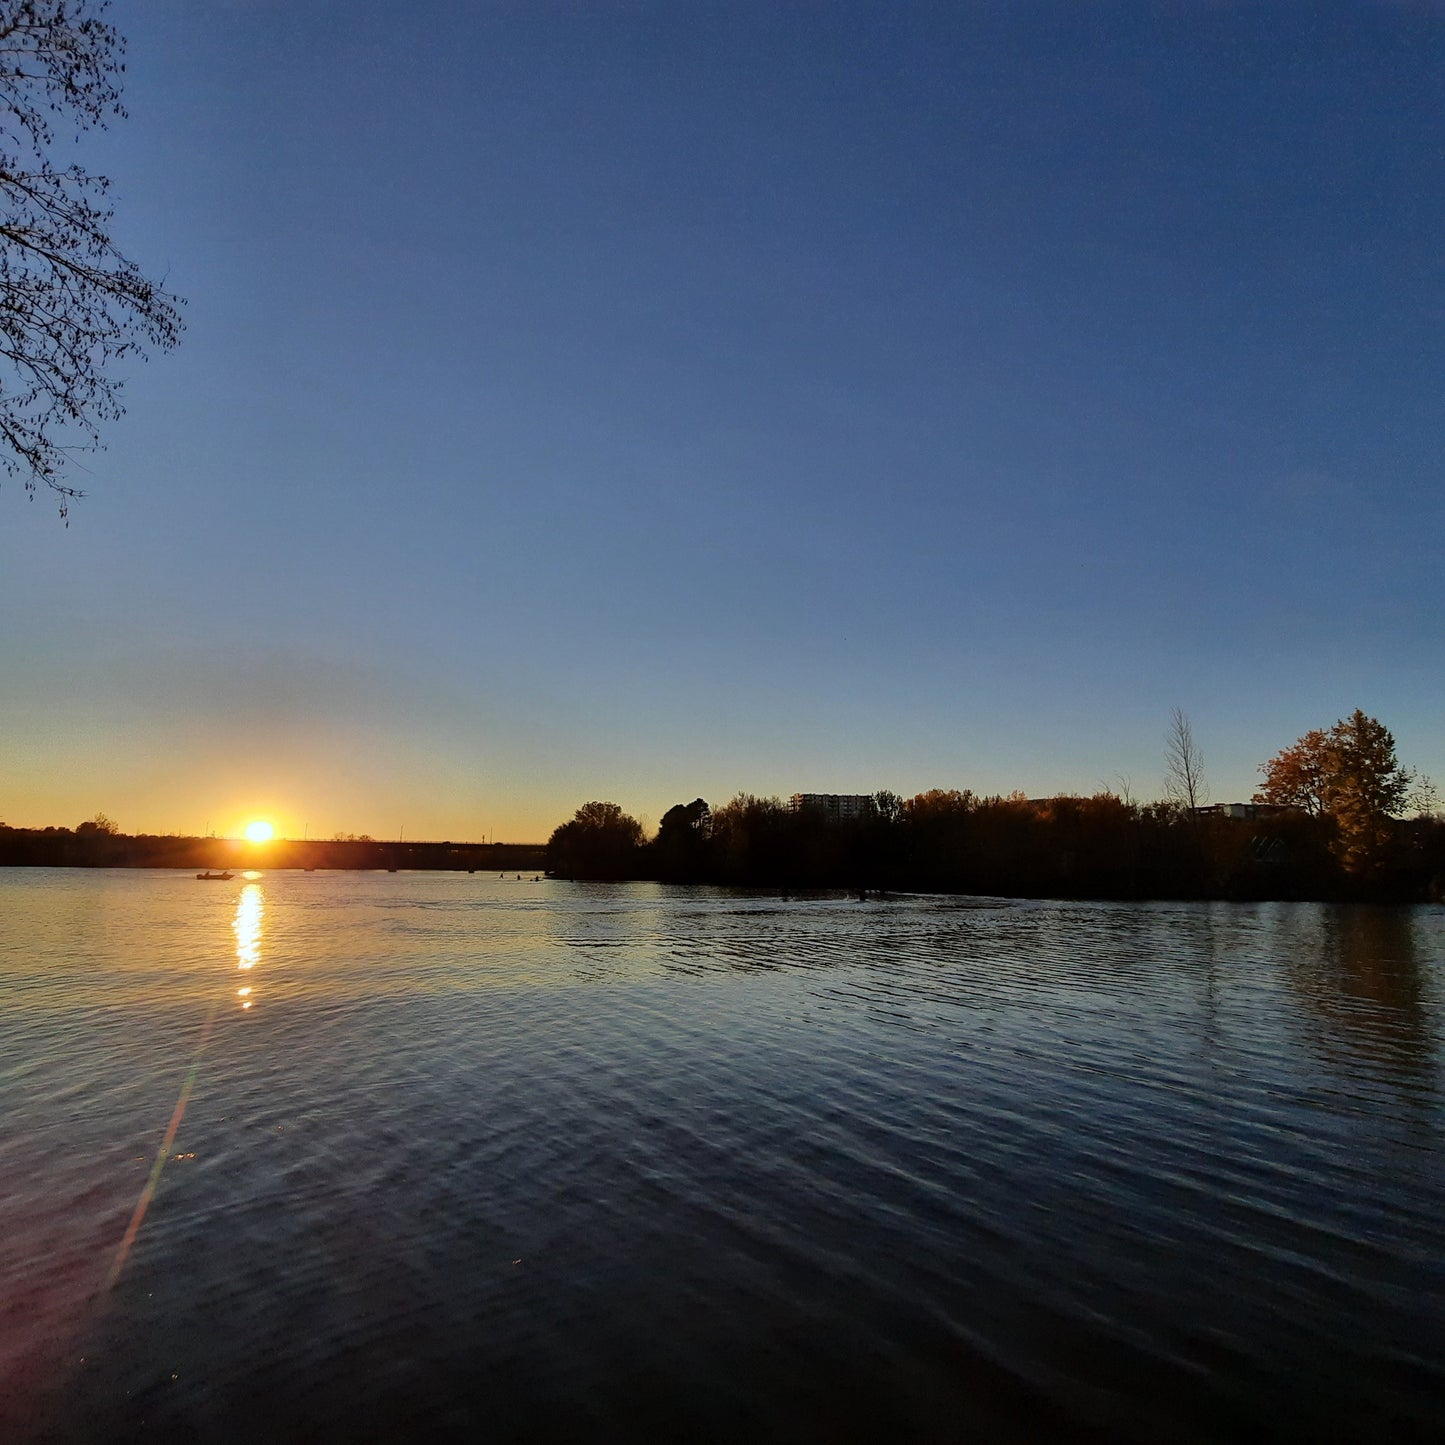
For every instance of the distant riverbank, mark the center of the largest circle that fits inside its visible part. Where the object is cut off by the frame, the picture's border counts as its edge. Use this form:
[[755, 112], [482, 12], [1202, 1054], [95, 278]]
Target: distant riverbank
[[64, 848]]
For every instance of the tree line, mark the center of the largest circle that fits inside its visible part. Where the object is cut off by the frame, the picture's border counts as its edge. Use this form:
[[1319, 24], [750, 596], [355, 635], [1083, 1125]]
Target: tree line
[[1328, 821]]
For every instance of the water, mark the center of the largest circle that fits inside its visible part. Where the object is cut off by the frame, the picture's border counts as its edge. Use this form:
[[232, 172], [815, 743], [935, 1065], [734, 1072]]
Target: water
[[541, 1161]]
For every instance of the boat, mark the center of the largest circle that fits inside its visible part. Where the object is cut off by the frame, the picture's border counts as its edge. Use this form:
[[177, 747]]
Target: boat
[[217, 877]]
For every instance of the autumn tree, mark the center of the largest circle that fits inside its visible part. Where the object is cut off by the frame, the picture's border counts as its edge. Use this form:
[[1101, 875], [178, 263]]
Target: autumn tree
[[1297, 776], [1350, 775], [70, 304]]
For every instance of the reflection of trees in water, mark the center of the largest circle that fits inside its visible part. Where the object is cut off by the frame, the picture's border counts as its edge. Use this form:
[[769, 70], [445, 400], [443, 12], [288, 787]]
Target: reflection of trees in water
[[1365, 983]]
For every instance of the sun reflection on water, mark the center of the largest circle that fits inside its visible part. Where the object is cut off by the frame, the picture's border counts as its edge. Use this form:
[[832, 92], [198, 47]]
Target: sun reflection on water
[[250, 910]]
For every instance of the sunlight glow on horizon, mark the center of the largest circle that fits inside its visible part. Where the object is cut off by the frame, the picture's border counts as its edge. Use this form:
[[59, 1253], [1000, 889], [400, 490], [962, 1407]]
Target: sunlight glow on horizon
[[260, 831]]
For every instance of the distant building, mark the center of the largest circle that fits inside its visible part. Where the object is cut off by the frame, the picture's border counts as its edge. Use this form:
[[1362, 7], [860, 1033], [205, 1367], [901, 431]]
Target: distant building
[[835, 807]]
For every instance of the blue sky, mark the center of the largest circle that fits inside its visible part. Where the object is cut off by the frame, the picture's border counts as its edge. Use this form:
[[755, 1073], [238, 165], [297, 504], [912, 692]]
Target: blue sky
[[650, 400]]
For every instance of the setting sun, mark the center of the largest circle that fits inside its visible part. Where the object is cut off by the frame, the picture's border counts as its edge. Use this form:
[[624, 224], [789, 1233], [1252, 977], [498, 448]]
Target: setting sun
[[259, 832]]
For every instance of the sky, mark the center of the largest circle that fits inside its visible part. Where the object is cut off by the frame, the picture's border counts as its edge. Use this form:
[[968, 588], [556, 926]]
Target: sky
[[644, 401]]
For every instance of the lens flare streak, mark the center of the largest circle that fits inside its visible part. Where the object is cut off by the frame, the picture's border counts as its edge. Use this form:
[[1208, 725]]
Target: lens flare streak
[[162, 1154], [250, 910]]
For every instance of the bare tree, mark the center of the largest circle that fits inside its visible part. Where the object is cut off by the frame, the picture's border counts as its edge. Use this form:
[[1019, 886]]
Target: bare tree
[[70, 303], [1184, 783], [1122, 788], [1425, 798]]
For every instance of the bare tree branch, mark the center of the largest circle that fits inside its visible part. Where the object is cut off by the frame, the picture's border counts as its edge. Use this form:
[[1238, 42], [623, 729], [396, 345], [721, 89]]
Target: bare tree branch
[[70, 303]]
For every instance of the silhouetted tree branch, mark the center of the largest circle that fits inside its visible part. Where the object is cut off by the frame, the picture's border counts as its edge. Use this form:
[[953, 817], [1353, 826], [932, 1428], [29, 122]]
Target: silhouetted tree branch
[[70, 303]]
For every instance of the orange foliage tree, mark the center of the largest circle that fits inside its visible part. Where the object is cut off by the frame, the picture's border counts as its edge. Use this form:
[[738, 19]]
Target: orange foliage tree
[[1350, 775]]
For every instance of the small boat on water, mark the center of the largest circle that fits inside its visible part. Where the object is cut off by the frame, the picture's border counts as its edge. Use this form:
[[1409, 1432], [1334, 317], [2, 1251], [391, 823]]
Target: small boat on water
[[216, 877]]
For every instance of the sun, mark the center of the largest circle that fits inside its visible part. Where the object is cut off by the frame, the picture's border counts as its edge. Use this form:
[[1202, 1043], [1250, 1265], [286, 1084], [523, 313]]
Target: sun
[[259, 832]]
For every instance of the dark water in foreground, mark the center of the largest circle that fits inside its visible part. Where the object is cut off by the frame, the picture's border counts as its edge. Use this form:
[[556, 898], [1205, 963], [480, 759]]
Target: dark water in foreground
[[538, 1161]]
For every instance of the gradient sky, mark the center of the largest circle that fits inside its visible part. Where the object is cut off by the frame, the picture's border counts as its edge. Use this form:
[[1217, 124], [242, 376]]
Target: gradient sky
[[639, 401]]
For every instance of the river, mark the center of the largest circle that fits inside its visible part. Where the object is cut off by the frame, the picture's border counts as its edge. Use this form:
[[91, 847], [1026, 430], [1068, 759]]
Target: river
[[442, 1156]]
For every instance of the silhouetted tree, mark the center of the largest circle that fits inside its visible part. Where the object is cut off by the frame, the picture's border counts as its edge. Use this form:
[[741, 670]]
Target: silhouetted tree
[[756, 840], [98, 824], [693, 819], [70, 303], [939, 841], [680, 850], [601, 841]]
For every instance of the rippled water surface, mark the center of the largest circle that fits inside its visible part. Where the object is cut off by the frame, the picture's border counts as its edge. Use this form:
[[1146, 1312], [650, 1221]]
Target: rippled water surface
[[376, 1157]]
